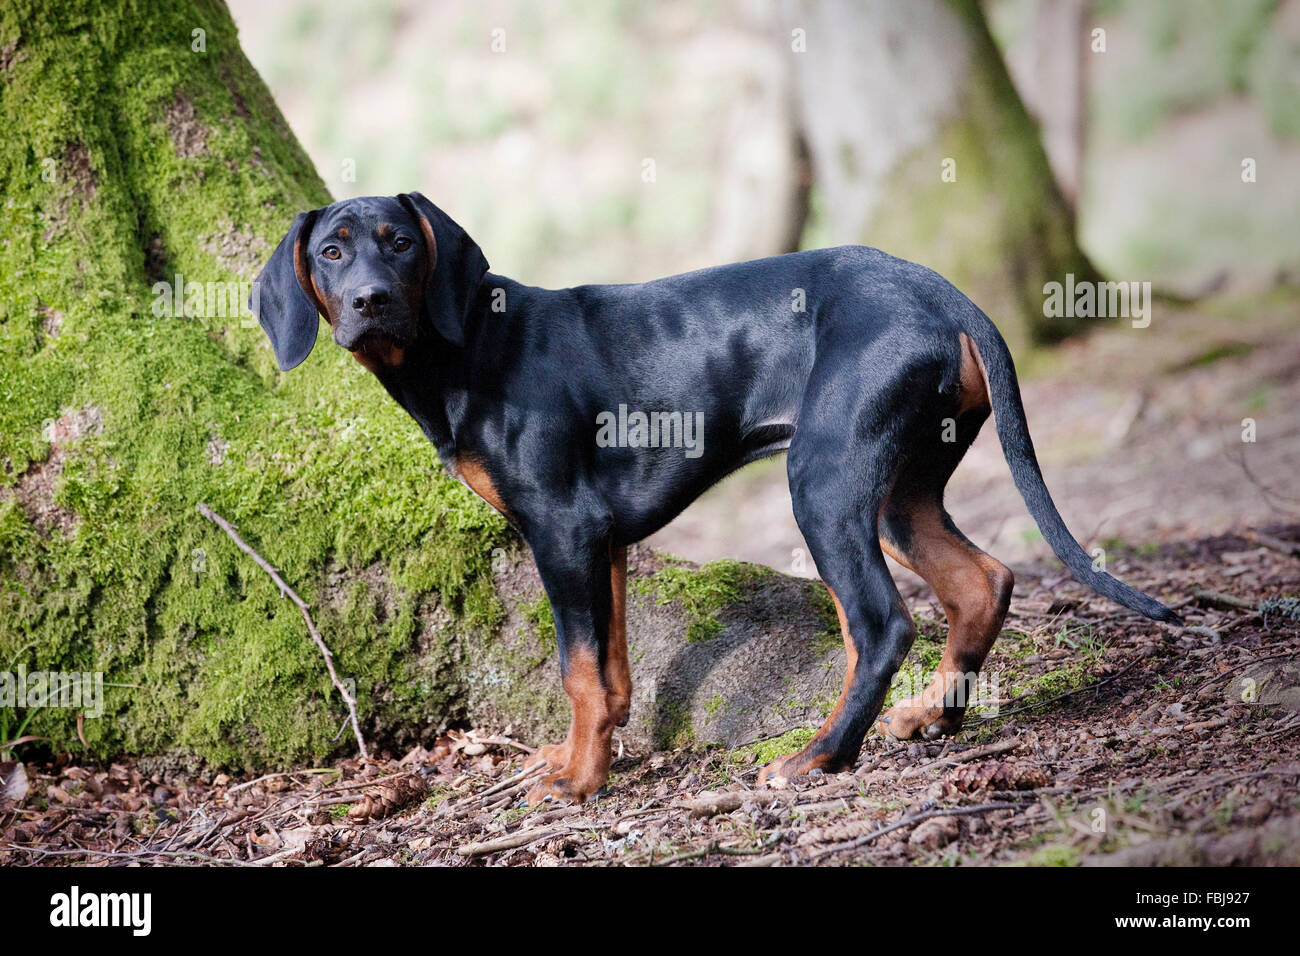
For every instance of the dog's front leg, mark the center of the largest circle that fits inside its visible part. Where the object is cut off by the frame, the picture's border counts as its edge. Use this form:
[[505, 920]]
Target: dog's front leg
[[587, 587]]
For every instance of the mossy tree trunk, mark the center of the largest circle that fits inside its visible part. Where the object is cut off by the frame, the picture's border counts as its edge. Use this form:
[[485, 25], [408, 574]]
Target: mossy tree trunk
[[922, 147], [142, 151], [142, 147]]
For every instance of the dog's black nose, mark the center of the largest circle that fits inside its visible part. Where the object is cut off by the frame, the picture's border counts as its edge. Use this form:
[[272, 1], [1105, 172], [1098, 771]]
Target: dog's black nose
[[371, 302]]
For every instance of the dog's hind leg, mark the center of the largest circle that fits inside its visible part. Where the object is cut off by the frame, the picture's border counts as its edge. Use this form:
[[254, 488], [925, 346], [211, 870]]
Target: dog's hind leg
[[843, 460], [974, 590], [877, 632], [973, 587]]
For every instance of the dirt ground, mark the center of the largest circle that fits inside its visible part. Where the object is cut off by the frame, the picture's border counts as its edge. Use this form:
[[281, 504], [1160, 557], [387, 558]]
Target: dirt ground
[[1103, 738]]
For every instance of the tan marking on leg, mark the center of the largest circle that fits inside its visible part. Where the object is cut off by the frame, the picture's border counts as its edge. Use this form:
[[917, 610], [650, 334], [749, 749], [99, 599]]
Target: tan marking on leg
[[618, 673], [471, 471], [896, 553], [851, 663], [555, 756], [974, 590], [588, 765]]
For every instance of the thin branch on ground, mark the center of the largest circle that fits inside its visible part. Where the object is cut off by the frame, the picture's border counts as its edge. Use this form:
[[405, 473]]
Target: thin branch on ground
[[290, 593]]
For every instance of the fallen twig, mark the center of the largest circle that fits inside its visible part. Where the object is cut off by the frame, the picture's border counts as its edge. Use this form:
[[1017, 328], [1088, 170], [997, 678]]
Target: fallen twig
[[290, 593], [1224, 602], [1277, 544], [136, 856], [509, 841], [272, 776]]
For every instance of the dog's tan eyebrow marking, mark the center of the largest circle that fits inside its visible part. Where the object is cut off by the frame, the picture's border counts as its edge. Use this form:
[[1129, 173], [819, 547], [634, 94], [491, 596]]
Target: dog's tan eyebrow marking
[[343, 232], [385, 231]]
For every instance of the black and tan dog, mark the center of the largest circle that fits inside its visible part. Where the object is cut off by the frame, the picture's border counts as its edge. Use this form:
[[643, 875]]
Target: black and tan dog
[[874, 374]]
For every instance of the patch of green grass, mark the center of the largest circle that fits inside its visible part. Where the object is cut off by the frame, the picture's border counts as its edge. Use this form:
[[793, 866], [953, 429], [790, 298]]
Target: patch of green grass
[[1081, 637]]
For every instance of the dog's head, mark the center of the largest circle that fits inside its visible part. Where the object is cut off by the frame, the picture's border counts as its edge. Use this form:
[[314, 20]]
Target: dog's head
[[384, 271]]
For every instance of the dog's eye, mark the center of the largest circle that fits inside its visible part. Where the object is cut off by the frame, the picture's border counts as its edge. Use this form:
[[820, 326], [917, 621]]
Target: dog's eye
[[331, 252], [401, 243]]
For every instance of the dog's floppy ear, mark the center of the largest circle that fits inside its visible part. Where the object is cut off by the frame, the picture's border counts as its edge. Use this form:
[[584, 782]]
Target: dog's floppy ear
[[283, 298], [456, 268]]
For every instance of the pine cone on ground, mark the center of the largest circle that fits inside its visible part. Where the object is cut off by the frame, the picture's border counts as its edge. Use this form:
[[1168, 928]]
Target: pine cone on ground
[[388, 796]]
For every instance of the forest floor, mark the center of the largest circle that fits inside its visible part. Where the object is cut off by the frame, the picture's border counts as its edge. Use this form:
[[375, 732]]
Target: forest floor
[[1106, 738], [1134, 744]]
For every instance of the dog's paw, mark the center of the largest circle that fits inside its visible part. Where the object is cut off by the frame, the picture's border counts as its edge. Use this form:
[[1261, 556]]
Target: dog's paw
[[912, 718], [559, 788], [554, 756], [795, 765]]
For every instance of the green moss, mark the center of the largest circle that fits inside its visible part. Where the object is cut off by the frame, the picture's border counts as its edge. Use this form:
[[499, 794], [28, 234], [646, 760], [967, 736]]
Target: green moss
[[921, 663], [542, 618], [436, 797], [1054, 855], [674, 728], [702, 593], [765, 751], [515, 814], [828, 636], [1072, 676], [1039, 689]]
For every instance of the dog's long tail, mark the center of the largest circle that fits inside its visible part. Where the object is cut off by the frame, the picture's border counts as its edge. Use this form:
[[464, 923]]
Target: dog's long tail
[[1013, 432]]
